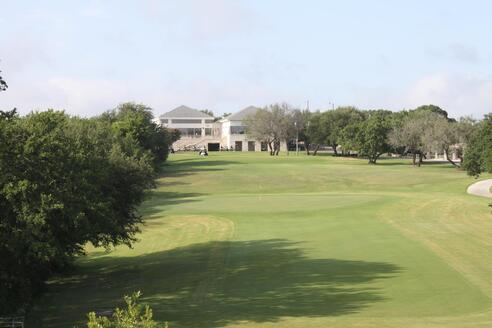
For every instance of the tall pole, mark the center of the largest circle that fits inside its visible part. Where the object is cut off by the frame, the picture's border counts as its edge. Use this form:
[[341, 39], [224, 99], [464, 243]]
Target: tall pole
[[297, 139]]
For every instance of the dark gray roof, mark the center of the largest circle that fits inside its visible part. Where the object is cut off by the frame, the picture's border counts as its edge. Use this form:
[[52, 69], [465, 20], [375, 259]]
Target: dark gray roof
[[241, 115], [185, 112]]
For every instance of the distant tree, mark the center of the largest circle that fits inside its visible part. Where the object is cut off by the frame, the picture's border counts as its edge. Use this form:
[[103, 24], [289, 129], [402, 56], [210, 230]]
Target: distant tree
[[448, 136], [218, 118], [370, 136], [411, 134], [133, 123], [208, 112], [301, 120], [134, 316], [463, 129], [333, 122], [478, 157], [3, 84], [314, 132], [432, 109], [273, 124]]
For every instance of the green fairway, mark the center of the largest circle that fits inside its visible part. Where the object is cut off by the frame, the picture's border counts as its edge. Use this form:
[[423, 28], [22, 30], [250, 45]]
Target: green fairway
[[249, 240]]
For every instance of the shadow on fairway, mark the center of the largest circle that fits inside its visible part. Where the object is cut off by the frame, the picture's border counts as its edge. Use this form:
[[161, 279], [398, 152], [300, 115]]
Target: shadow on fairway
[[217, 283], [179, 168], [159, 201]]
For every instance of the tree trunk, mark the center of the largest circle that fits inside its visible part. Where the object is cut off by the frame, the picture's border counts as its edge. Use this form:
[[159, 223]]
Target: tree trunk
[[449, 159], [373, 160], [316, 150], [271, 148], [307, 148], [334, 149], [276, 147], [414, 156]]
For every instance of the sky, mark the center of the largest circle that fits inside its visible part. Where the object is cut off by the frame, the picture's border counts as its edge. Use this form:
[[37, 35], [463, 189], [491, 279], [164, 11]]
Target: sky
[[86, 57]]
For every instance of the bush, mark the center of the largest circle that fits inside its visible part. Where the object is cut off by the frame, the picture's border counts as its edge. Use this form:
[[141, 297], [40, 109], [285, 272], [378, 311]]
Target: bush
[[134, 316]]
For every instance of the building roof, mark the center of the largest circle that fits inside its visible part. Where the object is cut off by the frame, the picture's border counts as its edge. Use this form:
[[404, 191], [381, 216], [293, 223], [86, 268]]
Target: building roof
[[185, 112], [241, 115]]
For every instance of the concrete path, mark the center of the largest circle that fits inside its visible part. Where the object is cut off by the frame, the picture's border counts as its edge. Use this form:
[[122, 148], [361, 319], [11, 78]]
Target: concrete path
[[481, 188]]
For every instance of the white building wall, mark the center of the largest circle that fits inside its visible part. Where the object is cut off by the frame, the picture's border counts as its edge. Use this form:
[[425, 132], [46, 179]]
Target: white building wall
[[221, 133]]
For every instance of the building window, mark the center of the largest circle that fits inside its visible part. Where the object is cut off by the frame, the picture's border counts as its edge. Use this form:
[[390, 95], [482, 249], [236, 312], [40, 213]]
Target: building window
[[208, 131], [238, 130], [185, 121], [164, 120], [191, 132]]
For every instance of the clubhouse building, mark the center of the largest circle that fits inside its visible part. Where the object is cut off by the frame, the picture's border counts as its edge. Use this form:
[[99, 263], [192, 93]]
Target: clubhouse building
[[199, 130]]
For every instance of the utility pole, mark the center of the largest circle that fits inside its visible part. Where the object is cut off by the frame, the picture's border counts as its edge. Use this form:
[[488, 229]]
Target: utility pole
[[297, 139]]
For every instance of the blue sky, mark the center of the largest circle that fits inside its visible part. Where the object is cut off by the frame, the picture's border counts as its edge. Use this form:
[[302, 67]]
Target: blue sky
[[223, 55]]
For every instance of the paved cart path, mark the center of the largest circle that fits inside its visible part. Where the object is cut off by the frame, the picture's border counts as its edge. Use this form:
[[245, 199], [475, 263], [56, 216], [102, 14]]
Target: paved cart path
[[481, 188]]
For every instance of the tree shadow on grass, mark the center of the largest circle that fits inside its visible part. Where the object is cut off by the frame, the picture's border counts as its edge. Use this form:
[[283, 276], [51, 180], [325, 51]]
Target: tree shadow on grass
[[180, 168], [218, 283], [159, 201]]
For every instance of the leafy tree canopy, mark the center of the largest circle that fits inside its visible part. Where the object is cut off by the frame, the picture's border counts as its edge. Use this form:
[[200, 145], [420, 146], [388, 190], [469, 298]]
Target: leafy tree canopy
[[478, 157], [3, 84]]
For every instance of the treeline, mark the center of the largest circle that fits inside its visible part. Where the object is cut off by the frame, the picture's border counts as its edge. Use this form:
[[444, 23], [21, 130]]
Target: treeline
[[66, 181], [371, 133]]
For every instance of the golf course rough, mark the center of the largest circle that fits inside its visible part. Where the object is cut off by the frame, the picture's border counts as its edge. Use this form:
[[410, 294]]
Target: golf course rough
[[249, 240]]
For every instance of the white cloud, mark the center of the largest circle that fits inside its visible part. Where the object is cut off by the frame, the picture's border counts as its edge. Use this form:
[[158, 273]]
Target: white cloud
[[458, 94], [89, 97], [456, 52], [204, 21], [76, 96]]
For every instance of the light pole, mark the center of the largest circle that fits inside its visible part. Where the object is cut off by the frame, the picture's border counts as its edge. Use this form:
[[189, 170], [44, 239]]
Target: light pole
[[297, 139]]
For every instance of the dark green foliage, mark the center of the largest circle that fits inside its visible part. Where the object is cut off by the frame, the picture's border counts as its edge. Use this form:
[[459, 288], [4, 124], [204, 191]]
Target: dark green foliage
[[133, 316], [478, 155], [65, 182], [370, 136], [3, 84], [133, 123], [333, 123], [431, 109]]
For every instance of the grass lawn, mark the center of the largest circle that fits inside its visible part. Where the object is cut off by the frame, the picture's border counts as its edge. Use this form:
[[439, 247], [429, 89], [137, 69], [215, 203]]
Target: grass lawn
[[247, 240]]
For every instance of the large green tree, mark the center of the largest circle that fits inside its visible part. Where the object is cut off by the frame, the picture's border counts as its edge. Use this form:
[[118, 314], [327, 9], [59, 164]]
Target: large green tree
[[478, 157], [333, 123], [370, 136], [134, 123], [64, 182]]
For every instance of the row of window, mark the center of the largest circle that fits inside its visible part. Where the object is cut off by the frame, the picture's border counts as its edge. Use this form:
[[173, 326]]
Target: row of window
[[208, 131], [195, 132], [238, 146], [185, 121], [238, 130]]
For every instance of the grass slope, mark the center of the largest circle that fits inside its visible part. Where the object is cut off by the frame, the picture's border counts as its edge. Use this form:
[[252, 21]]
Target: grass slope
[[246, 240]]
